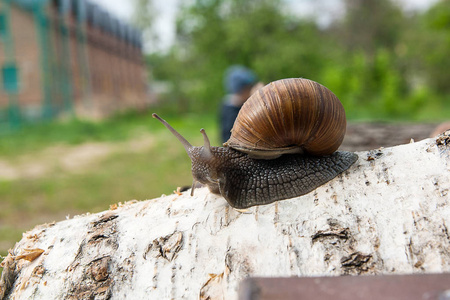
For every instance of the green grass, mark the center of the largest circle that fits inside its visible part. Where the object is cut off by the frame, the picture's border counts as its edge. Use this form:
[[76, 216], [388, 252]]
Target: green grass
[[75, 131], [120, 177]]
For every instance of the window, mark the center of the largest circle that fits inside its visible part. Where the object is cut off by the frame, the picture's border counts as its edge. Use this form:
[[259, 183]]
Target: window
[[10, 78]]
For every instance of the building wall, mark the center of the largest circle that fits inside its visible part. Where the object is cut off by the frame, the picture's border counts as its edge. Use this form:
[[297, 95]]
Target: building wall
[[67, 64], [55, 50], [118, 78], [26, 55], [80, 66]]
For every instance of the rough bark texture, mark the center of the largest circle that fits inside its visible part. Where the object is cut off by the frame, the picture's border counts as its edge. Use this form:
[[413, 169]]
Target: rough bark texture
[[388, 214]]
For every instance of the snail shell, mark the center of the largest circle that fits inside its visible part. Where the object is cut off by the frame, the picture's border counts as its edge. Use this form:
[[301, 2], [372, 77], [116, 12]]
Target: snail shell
[[292, 115]]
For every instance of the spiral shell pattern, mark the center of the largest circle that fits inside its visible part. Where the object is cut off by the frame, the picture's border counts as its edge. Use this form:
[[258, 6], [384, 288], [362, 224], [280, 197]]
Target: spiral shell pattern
[[292, 115]]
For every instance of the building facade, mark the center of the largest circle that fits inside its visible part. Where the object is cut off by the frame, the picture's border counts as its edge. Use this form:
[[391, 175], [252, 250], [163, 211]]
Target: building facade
[[67, 57]]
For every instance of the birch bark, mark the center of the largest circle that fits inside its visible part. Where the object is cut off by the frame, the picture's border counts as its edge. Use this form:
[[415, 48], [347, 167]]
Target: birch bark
[[388, 214]]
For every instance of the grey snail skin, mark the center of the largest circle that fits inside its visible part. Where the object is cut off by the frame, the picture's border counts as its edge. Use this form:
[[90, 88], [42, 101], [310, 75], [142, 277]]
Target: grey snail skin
[[283, 145]]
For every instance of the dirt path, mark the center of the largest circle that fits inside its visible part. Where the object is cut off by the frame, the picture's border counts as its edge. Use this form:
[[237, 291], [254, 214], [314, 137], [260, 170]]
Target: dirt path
[[71, 159]]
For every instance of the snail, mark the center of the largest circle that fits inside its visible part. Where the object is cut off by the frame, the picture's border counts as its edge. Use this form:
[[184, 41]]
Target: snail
[[283, 145]]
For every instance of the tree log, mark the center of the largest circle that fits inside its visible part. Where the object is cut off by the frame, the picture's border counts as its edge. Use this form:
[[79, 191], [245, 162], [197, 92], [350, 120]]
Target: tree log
[[388, 214]]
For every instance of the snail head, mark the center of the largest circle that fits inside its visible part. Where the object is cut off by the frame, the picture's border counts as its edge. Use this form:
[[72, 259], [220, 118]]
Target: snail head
[[202, 159]]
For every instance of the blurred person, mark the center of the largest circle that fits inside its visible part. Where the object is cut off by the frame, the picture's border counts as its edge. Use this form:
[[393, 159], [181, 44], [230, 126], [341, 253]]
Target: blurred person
[[240, 83]]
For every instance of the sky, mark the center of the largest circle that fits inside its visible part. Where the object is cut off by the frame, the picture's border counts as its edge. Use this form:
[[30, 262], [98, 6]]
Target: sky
[[166, 13]]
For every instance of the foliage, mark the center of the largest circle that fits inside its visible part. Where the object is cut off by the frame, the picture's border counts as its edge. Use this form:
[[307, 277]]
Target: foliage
[[380, 61], [436, 46]]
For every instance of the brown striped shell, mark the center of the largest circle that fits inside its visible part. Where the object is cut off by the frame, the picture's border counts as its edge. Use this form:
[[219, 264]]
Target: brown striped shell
[[292, 115]]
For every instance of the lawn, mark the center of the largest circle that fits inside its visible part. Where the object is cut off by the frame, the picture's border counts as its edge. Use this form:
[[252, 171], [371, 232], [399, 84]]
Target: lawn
[[126, 171]]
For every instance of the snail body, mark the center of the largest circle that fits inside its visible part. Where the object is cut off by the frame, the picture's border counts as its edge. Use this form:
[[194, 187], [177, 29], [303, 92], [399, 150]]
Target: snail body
[[250, 170]]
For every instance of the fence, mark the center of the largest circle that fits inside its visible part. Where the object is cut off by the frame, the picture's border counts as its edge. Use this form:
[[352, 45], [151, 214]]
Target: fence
[[62, 56]]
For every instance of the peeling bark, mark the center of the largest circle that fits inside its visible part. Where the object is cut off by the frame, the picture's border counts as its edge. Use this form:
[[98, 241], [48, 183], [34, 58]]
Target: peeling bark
[[388, 214]]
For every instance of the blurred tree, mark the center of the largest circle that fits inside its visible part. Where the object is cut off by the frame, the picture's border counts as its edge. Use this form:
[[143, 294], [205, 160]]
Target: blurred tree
[[380, 62], [143, 17], [371, 24], [214, 34], [435, 47], [370, 33]]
